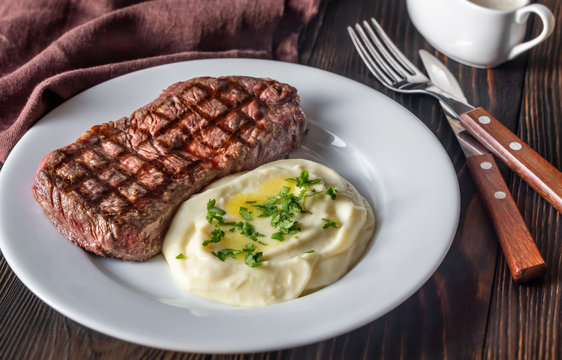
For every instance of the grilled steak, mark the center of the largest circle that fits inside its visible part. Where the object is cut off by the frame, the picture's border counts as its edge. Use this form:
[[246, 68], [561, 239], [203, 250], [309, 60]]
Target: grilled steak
[[115, 189]]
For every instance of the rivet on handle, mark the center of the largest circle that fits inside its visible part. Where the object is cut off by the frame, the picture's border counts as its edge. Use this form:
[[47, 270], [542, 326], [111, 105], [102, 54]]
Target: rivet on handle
[[486, 165], [484, 119], [499, 195]]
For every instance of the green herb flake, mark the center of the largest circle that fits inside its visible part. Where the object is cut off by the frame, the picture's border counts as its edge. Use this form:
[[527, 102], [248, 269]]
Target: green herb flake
[[216, 236], [310, 251], [305, 194], [222, 254], [253, 260], [214, 213], [281, 208], [249, 248], [180, 256], [329, 223], [248, 230], [246, 215], [303, 179], [331, 192]]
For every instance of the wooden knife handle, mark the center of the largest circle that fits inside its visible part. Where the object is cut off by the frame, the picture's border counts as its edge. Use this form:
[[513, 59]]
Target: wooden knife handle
[[522, 255], [520, 157]]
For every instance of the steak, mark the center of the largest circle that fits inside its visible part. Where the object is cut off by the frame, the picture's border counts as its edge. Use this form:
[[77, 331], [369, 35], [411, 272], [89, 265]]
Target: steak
[[115, 189]]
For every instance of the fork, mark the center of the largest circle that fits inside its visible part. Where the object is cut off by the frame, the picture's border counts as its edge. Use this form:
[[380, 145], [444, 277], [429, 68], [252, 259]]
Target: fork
[[393, 69]]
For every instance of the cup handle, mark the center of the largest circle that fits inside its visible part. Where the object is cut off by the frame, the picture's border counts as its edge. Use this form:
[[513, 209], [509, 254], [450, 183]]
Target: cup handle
[[548, 22]]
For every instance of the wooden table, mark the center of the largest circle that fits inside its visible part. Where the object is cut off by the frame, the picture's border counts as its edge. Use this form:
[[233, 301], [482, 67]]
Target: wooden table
[[470, 308]]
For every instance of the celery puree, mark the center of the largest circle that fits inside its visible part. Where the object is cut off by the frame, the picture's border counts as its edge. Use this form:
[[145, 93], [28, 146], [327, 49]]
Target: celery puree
[[237, 262]]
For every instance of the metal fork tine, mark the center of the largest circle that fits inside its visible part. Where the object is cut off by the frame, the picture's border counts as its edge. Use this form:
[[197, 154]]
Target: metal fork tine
[[393, 65], [374, 55], [397, 54], [368, 60], [377, 56]]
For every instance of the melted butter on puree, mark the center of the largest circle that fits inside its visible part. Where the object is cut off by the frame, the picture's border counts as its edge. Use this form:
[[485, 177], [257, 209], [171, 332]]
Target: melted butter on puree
[[305, 261]]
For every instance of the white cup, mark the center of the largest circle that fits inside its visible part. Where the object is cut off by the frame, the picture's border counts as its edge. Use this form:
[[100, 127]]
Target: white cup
[[479, 33]]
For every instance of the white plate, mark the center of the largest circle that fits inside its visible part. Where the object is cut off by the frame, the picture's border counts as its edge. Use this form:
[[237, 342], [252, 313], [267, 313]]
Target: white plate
[[387, 153]]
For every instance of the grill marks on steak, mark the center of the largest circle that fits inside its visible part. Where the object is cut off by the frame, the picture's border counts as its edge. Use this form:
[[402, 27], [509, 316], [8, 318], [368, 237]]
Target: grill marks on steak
[[114, 190]]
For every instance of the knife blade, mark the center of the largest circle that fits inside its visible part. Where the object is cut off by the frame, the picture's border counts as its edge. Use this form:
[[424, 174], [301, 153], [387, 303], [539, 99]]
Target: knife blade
[[520, 157], [522, 255]]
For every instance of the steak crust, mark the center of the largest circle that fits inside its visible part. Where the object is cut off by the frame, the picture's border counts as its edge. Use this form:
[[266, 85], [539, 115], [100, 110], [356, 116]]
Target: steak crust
[[115, 189]]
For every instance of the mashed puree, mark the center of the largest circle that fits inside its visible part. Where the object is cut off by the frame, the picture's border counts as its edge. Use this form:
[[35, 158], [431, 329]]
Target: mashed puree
[[221, 252]]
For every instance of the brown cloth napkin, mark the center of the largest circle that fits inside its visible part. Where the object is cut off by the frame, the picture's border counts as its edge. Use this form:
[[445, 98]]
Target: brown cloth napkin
[[51, 50]]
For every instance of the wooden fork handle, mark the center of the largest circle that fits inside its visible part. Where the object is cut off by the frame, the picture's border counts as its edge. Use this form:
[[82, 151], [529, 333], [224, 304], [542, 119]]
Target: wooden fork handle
[[520, 157], [521, 253]]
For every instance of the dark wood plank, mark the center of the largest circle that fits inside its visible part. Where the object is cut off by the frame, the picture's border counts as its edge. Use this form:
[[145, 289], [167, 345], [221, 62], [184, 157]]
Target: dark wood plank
[[526, 320]]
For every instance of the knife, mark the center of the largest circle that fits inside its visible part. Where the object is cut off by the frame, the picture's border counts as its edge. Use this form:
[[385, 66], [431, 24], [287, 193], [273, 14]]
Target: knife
[[520, 157], [522, 255]]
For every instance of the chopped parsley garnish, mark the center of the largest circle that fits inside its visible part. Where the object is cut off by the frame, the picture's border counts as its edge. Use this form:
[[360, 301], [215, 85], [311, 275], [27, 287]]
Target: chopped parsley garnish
[[216, 236], [331, 192], [248, 230], [180, 256], [246, 215], [249, 248], [329, 223], [302, 180], [222, 254], [251, 258], [290, 204], [281, 208], [214, 213]]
